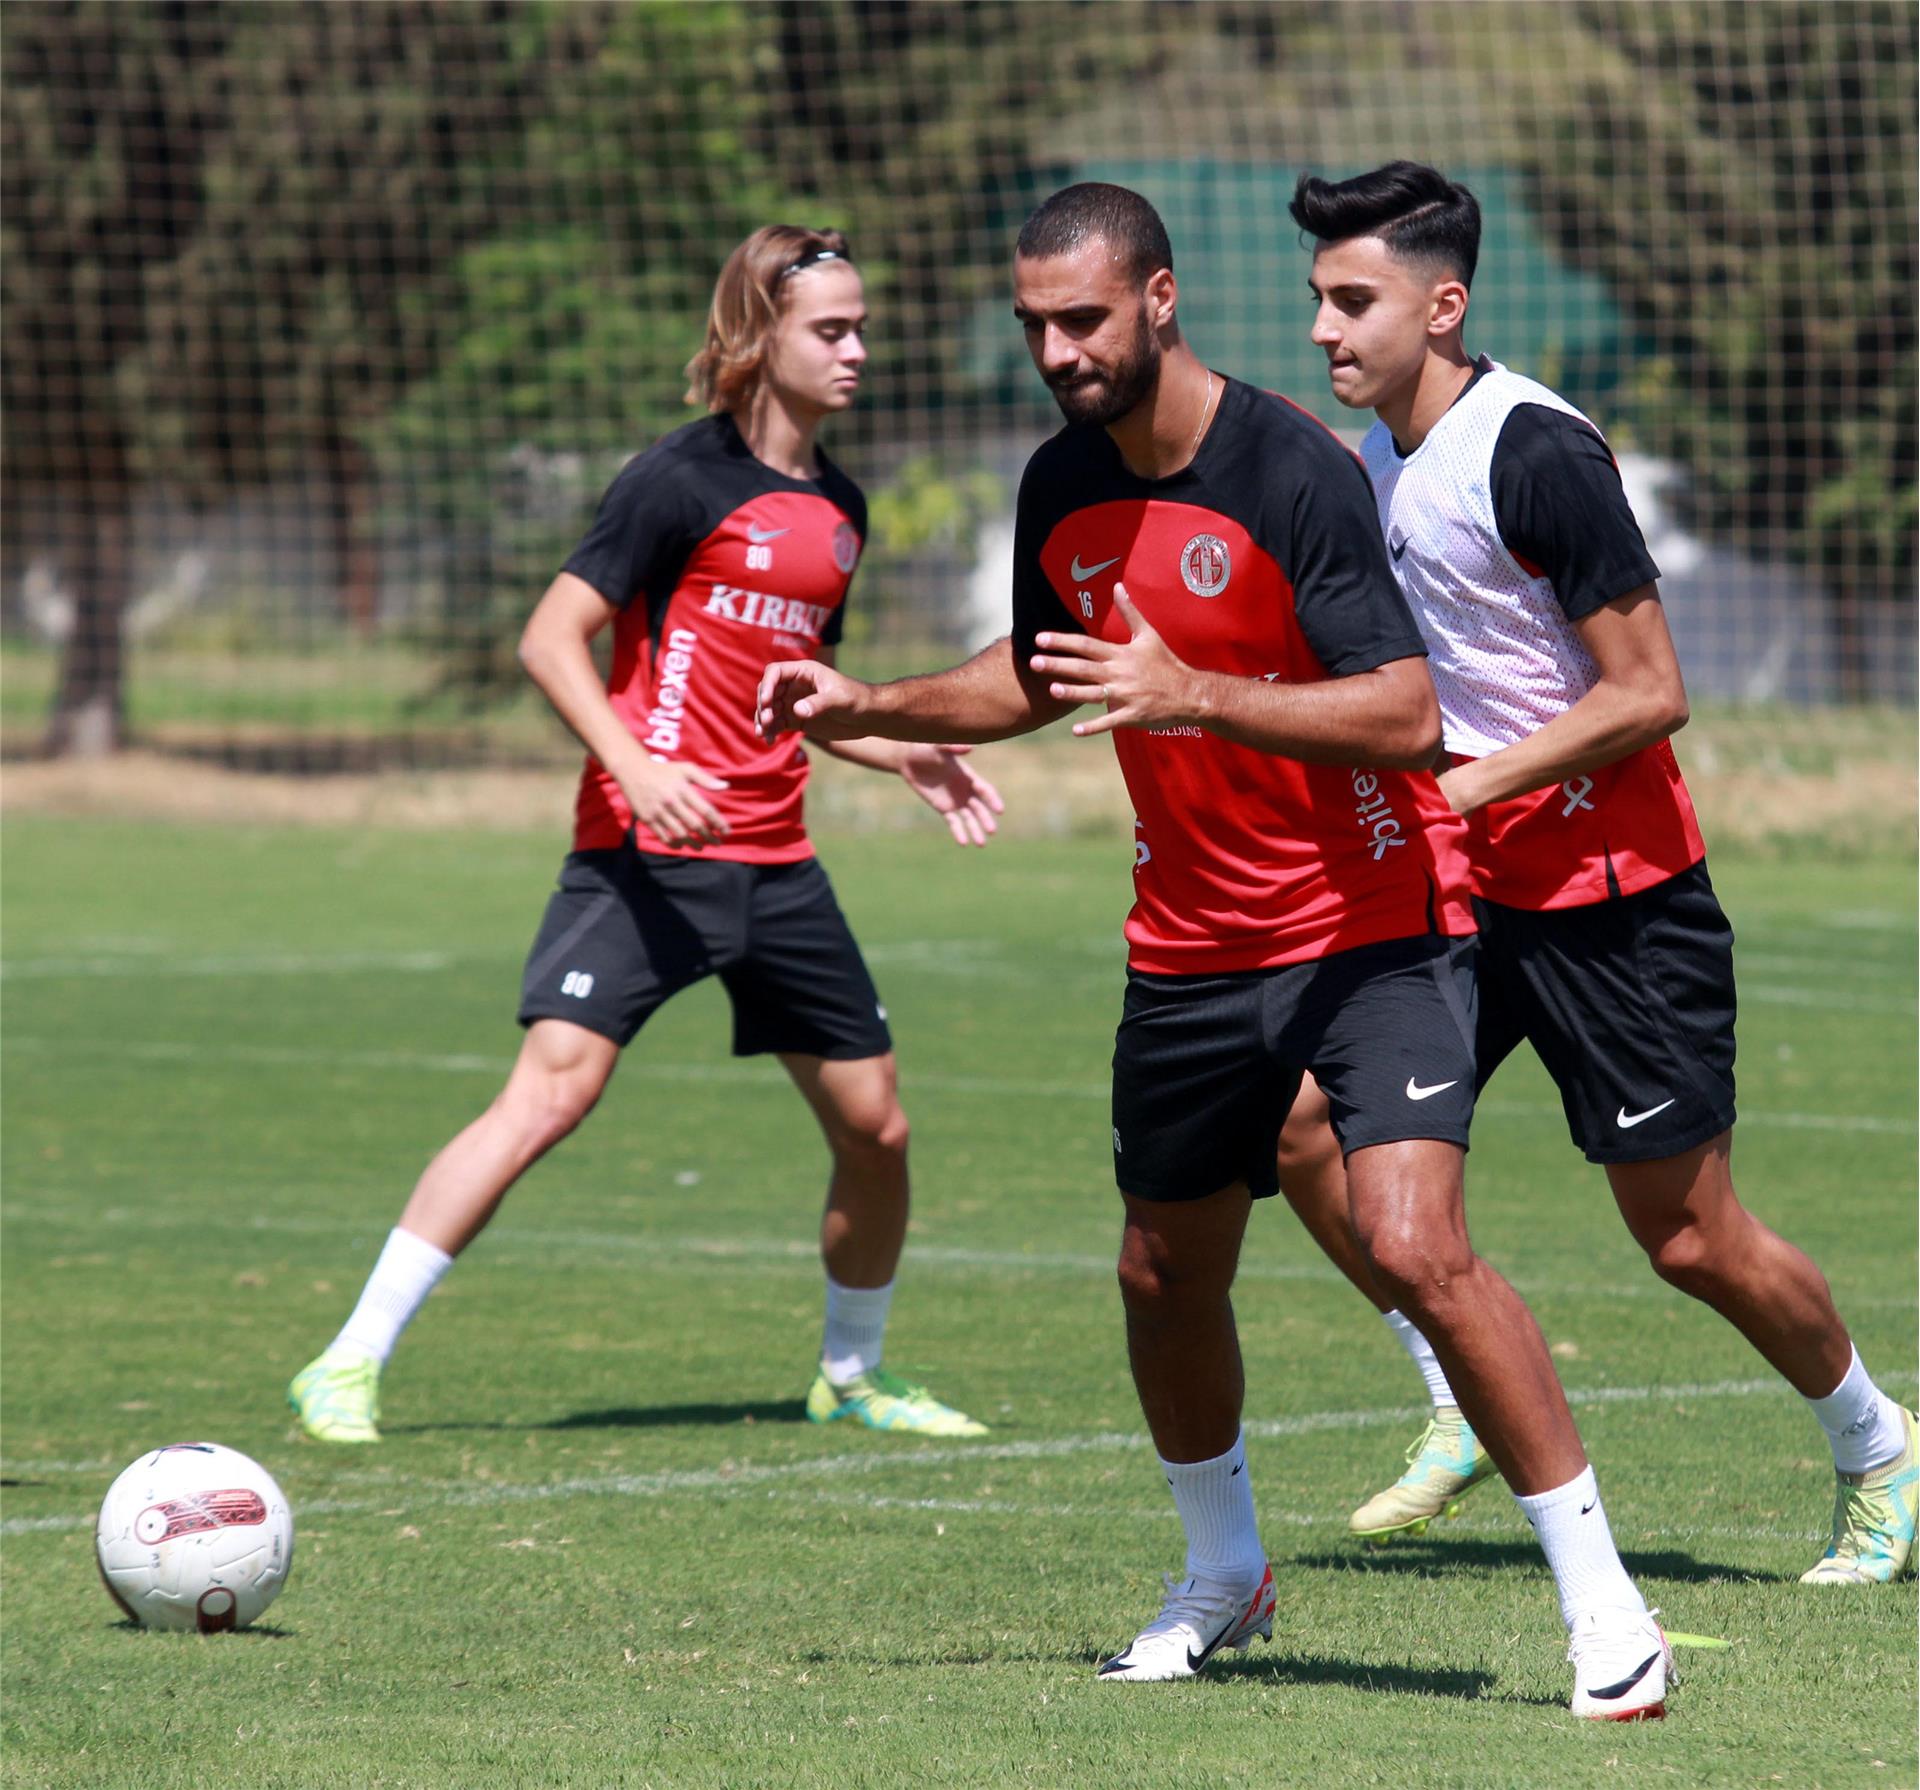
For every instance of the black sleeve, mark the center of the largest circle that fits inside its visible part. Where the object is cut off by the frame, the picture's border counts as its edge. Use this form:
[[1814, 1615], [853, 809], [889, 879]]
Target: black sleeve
[[640, 538], [1562, 511], [853, 500], [1345, 596], [1036, 604]]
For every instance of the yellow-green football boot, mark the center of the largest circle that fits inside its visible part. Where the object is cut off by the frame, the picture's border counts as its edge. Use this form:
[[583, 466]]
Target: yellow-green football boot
[[1443, 1465], [337, 1397], [1873, 1520], [884, 1401]]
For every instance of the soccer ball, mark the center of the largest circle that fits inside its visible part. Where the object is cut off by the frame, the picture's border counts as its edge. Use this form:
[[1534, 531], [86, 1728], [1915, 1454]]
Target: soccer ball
[[194, 1535]]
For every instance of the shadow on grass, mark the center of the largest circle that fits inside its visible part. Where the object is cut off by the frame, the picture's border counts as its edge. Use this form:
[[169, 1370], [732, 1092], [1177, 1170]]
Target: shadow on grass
[[641, 1417], [1262, 1666], [631, 1417], [1441, 1556], [267, 1631]]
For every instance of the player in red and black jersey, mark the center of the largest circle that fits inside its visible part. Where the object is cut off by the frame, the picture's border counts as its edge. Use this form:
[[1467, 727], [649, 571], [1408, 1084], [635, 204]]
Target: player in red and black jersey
[[1601, 940], [1200, 558], [728, 544]]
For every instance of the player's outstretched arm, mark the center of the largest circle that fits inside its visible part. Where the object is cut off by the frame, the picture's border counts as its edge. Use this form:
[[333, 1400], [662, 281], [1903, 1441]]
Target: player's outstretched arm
[[1387, 717], [989, 697], [1638, 699]]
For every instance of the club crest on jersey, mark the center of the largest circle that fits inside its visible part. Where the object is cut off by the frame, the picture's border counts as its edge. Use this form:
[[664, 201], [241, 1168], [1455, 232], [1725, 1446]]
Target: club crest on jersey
[[1205, 565], [846, 547]]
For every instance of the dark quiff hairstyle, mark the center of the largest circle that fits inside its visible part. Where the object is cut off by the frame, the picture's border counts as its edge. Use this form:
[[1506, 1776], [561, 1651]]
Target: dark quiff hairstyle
[[1115, 214], [1415, 210]]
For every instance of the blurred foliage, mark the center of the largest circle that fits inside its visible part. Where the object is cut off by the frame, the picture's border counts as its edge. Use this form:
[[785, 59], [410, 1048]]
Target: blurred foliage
[[450, 257], [1726, 170]]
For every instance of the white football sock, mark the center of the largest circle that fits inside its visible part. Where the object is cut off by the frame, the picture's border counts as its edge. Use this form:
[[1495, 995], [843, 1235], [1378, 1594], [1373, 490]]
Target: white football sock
[[1579, 1548], [1216, 1510], [408, 1270], [856, 1330], [1863, 1425], [1424, 1358]]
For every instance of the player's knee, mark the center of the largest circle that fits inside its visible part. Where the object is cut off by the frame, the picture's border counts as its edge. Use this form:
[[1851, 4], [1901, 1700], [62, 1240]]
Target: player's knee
[[1683, 1255], [546, 1110], [1414, 1263], [1154, 1280], [874, 1132]]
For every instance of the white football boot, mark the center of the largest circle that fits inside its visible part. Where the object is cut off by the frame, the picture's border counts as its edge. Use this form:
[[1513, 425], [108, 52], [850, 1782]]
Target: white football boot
[[1621, 1665], [1196, 1621]]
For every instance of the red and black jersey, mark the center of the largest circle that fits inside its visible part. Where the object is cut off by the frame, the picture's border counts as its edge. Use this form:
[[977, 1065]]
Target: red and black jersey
[[718, 566], [1261, 559]]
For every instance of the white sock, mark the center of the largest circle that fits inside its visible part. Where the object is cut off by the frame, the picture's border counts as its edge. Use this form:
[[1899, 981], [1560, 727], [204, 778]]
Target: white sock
[[856, 1330], [1863, 1425], [1216, 1510], [1579, 1548], [408, 1270], [1424, 1358]]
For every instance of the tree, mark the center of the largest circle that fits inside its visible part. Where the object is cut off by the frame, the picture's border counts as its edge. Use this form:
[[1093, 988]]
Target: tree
[[224, 225], [1743, 177], [100, 144]]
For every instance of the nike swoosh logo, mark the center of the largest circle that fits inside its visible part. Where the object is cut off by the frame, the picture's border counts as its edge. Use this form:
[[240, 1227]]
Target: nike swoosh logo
[[1082, 573], [1196, 1660], [1587, 1509], [1626, 1121], [1614, 1692], [1398, 548], [1416, 1092], [760, 535]]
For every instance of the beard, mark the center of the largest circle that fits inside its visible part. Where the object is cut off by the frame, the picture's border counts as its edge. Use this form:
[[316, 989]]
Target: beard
[[1106, 398]]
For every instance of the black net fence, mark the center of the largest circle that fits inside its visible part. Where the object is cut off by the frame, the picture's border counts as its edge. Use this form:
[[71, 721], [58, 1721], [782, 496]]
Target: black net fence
[[326, 324]]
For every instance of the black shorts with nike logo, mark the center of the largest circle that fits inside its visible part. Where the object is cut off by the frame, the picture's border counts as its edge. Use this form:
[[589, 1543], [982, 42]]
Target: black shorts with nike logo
[[1630, 1005], [1205, 1067], [627, 930]]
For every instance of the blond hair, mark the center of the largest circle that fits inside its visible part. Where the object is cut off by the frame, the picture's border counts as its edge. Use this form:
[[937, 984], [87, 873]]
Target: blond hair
[[747, 301]]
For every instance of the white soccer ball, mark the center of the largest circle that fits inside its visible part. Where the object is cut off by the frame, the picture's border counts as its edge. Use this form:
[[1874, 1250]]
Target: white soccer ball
[[194, 1535]]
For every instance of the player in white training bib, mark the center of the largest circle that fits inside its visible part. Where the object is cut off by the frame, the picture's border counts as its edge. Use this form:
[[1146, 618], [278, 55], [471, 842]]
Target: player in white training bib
[[1602, 943]]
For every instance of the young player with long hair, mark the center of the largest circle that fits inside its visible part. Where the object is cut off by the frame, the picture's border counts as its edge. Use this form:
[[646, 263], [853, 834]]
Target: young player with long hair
[[727, 544]]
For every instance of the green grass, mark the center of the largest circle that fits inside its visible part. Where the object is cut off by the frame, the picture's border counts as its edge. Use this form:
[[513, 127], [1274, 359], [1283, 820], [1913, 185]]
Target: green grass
[[599, 1548]]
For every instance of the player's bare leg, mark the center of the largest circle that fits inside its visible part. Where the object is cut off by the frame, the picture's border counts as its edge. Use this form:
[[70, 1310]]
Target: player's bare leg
[[1177, 1263], [554, 1083], [1446, 1460], [1410, 1216], [1683, 1211], [560, 1073], [858, 1105], [1313, 1177], [862, 1232]]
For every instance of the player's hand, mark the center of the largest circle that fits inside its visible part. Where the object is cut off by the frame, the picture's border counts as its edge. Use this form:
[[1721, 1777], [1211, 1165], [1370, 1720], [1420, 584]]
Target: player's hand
[[804, 695], [941, 777], [1458, 786], [665, 798], [1140, 681]]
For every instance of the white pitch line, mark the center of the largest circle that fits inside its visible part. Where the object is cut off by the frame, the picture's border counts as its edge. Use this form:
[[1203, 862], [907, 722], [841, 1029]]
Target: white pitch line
[[264, 963], [461, 1495], [752, 1074]]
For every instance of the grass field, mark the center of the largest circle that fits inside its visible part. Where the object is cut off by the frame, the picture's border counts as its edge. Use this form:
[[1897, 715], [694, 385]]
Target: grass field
[[600, 1546]]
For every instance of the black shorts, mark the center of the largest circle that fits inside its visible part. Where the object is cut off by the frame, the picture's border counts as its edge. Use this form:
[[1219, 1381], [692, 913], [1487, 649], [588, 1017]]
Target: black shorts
[[1630, 1004], [1205, 1067], [627, 930]]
